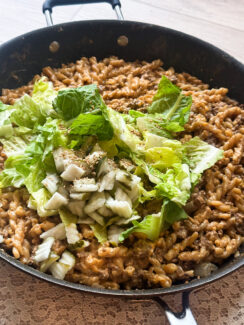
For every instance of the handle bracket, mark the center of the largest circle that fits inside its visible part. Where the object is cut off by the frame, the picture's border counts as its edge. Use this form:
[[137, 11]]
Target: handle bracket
[[48, 5], [185, 317]]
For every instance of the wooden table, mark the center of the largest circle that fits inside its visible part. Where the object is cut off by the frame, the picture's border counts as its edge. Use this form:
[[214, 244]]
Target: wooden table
[[26, 300]]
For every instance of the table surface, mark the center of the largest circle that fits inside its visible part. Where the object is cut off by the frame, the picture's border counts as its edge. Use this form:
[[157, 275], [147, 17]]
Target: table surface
[[27, 300]]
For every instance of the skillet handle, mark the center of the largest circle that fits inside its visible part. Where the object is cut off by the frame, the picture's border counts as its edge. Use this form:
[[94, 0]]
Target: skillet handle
[[185, 317], [49, 4]]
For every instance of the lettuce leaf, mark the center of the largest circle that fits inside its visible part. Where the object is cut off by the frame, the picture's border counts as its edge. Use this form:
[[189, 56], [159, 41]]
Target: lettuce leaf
[[152, 140], [28, 163], [67, 217], [23, 131], [162, 157], [20, 162], [175, 184], [172, 212], [100, 232], [16, 169], [135, 114], [168, 112], [3, 106], [200, 156], [154, 123], [146, 195], [161, 152], [27, 113], [173, 106], [126, 133], [15, 145], [32, 111], [44, 94], [110, 146], [11, 177], [51, 136], [90, 124], [33, 181], [71, 102], [154, 175], [151, 226], [6, 128]]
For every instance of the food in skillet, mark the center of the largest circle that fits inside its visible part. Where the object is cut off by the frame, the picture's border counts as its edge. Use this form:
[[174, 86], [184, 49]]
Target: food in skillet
[[138, 190]]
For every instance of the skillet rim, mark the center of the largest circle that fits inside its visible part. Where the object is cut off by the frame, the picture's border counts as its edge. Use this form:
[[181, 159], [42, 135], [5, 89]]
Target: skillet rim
[[58, 28], [231, 266]]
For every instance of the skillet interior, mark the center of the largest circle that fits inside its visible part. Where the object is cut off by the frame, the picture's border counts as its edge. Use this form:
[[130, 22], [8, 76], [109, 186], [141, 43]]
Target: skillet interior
[[25, 56]]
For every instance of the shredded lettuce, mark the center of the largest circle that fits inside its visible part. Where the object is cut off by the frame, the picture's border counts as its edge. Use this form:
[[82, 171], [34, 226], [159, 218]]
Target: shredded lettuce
[[33, 181], [145, 195], [151, 226], [173, 106], [67, 217], [71, 102], [100, 232], [30, 155], [114, 233], [78, 245], [44, 94], [10, 177], [171, 212], [16, 145], [200, 156], [125, 133], [110, 147], [175, 184], [162, 157], [3, 106], [51, 136], [6, 128], [152, 140], [153, 123], [28, 162], [90, 124], [32, 111], [27, 113], [16, 170]]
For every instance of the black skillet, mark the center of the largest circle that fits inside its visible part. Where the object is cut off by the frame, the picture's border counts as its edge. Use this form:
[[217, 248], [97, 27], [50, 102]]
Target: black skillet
[[26, 55]]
